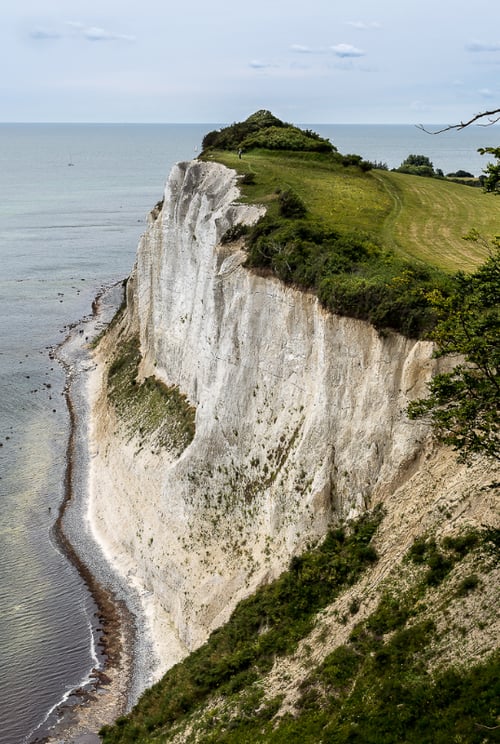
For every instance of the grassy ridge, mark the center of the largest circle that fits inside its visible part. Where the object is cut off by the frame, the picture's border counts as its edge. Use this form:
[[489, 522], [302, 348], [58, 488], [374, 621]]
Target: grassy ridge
[[371, 244], [422, 218]]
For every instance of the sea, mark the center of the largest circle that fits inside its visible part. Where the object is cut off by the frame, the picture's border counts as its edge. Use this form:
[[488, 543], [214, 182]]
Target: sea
[[73, 204]]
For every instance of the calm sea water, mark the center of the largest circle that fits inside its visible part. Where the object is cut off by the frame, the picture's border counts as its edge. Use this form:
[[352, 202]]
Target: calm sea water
[[392, 143], [66, 231]]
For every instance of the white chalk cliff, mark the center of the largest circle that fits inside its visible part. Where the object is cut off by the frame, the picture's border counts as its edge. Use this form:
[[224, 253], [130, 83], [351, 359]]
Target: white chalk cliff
[[300, 418]]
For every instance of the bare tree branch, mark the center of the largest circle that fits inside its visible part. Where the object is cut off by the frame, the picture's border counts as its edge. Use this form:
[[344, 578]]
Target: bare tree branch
[[492, 116]]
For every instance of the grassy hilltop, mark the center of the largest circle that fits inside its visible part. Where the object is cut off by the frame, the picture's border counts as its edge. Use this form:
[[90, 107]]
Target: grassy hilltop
[[387, 631], [371, 243]]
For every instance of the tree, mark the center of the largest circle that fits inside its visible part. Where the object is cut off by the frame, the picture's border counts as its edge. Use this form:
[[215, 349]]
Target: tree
[[417, 165], [463, 405], [492, 170]]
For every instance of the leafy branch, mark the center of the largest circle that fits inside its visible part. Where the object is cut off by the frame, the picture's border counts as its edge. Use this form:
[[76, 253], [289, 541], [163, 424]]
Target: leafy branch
[[463, 405]]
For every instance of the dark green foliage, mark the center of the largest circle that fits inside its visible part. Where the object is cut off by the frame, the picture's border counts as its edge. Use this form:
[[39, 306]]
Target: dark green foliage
[[339, 668], [463, 543], [269, 623], [349, 272], [285, 138], [467, 585], [440, 560], [463, 405], [248, 178], [418, 165], [234, 232], [439, 567], [351, 159], [491, 537], [290, 205], [460, 174], [263, 130], [492, 181]]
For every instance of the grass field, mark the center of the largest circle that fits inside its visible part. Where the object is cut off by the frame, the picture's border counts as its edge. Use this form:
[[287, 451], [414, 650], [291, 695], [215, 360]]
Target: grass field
[[417, 217]]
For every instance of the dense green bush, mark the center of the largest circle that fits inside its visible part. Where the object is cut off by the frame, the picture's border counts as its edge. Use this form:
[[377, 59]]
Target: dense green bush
[[263, 130], [463, 404], [291, 205], [418, 165], [285, 138], [350, 273]]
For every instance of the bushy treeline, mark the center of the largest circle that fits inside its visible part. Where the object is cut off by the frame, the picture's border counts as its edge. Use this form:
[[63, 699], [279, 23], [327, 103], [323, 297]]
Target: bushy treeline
[[351, 274], [264, 130], [419, 165]]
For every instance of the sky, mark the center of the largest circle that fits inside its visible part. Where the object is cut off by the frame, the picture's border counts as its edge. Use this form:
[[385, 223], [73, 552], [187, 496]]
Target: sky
[[313, 61]]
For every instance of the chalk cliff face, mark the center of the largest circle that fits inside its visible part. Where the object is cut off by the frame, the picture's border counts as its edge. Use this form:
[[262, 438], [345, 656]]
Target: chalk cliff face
[[300, 418]]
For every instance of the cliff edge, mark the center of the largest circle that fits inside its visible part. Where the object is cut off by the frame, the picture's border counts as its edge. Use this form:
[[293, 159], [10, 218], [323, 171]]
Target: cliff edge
[[299, 423]]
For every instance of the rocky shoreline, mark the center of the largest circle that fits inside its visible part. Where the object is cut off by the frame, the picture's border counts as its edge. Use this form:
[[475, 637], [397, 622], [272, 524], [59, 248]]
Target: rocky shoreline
[[105, 693]]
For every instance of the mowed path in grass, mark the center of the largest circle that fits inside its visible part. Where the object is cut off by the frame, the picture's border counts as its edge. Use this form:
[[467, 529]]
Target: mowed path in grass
[[430, 218], [421, 218]]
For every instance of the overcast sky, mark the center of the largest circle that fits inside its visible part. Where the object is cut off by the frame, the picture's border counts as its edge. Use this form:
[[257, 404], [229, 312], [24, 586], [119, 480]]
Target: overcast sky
[[308, 61]]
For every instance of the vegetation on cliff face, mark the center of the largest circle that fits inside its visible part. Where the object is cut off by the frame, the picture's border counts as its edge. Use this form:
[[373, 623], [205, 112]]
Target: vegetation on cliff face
[[387, 682], [152, 411], [463, 405]]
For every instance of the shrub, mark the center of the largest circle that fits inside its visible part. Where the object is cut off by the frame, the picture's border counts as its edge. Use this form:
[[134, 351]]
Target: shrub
[[291, 205], [467, 585], [263, 130], [418, 165]]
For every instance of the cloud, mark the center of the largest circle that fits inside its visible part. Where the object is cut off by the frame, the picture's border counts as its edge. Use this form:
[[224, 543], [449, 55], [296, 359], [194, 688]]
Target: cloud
[[94, 33], [480, 46], [486, 93], [256, 64], [347, 50], [363, 25], [301, 49], [76, 29], [42, 34]]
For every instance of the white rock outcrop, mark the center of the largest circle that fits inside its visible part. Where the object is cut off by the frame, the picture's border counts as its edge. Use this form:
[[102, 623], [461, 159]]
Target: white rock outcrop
[[300, 418]]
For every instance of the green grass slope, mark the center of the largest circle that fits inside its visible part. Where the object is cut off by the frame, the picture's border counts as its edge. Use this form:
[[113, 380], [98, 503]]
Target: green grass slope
[[422, 218], [372, 244]]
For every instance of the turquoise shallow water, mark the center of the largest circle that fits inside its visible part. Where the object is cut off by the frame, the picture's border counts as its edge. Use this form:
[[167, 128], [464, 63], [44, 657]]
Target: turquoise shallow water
[[66, 231]]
